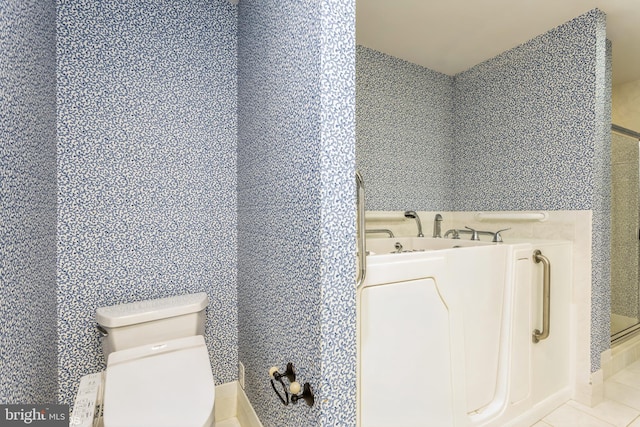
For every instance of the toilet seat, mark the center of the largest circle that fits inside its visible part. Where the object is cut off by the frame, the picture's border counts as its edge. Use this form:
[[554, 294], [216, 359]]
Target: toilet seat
[[166, 384]]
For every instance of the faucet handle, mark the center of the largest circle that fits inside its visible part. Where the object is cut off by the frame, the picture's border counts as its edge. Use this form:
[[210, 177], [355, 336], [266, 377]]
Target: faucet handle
[[497, 238], [437, 227], [474, 233]]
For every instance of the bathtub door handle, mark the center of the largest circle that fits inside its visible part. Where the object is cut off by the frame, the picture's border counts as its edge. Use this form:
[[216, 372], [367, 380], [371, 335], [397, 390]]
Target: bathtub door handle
[[546, 296]]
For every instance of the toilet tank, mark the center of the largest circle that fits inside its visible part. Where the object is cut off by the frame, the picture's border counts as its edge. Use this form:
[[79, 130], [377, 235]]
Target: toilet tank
[[139, 323]]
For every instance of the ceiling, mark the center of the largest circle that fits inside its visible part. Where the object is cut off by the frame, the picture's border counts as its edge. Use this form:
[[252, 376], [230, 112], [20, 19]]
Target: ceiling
[[451, 36]]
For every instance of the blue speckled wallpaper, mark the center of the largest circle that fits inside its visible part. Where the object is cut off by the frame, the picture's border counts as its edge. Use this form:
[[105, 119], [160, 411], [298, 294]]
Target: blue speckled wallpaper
[[525, 130], [28, 342], [337, 213], [601, 243], [526, 123], [146, 168], [296, 191], [405, 133]]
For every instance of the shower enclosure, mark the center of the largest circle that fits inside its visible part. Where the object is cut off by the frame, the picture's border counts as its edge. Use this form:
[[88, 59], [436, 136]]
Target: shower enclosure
[[625, 232]]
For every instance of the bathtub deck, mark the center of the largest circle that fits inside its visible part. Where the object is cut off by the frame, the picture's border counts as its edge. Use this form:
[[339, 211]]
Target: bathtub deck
[[620, 408]]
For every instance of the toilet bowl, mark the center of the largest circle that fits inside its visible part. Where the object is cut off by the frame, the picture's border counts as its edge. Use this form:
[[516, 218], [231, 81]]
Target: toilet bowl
[[164, 383]]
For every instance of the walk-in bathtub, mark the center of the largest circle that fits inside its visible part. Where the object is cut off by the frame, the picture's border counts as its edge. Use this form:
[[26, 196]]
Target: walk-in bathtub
[[445, 333]]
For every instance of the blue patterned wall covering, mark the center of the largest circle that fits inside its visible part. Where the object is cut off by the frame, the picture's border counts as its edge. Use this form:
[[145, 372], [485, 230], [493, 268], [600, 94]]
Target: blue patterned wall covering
[[526, 123], [295, 194], [601, 220], [337, 213], [28, 363], [146, 167], [404, 134], [530, 131], [278, 200]]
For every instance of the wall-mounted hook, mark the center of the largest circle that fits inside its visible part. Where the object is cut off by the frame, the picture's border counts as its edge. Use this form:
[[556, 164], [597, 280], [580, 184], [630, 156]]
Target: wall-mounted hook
[[289, 373], [306, 395], [294, 386]]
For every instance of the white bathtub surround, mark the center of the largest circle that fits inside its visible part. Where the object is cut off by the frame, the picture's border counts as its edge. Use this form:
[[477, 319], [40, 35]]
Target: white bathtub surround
[[233, 408], [557, 225], [405, 227], [574, 226]]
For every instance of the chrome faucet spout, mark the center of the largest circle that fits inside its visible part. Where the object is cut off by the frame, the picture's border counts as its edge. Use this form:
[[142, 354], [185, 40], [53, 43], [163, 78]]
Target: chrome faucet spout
[[414, 215], [437, 226], [453, 232]]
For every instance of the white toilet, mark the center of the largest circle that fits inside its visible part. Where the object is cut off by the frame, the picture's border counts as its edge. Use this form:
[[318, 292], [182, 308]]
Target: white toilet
[[158, 371]]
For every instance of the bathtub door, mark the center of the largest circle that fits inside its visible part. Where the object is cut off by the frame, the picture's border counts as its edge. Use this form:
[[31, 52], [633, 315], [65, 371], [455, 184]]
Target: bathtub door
[[404, 358]]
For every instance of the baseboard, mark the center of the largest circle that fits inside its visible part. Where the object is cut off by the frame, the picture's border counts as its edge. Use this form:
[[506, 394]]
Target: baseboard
[[226, 403], [246, 414], [541, 409], [232, 402]]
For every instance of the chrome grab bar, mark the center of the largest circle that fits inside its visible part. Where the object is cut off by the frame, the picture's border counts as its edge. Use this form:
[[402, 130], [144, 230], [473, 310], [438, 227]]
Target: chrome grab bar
[[360, 232], [381, 230], [546, 296]]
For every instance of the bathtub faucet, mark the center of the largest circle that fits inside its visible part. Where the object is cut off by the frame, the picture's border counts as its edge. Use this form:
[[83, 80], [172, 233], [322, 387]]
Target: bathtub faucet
[[475, 234], [437, 226], [414, 215], [497, 238], [453, 232]]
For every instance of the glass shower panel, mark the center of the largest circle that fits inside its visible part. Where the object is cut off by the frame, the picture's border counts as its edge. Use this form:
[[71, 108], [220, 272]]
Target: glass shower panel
[[625, 237]]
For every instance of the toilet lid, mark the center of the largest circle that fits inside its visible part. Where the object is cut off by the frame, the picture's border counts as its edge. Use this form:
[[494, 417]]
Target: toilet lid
[[162, 385]]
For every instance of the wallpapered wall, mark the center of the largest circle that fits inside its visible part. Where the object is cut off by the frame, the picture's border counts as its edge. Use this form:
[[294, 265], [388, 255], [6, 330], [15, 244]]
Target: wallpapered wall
[[527, 129], [147, 186], [146, 168], [28, 363], [295, 205], [405, 133]]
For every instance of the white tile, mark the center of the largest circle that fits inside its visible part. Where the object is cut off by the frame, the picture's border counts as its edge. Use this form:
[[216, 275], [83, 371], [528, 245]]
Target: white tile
[[541, 424], [622, 393], [635, 423], [634, 367], [568, 416], [612, 412], [628, 377]]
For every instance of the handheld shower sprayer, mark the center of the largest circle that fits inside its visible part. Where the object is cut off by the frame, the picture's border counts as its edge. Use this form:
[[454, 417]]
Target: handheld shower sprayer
[[414, 215]]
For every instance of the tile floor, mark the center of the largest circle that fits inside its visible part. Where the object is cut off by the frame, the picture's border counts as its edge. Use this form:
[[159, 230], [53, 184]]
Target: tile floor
[[621, 406]]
